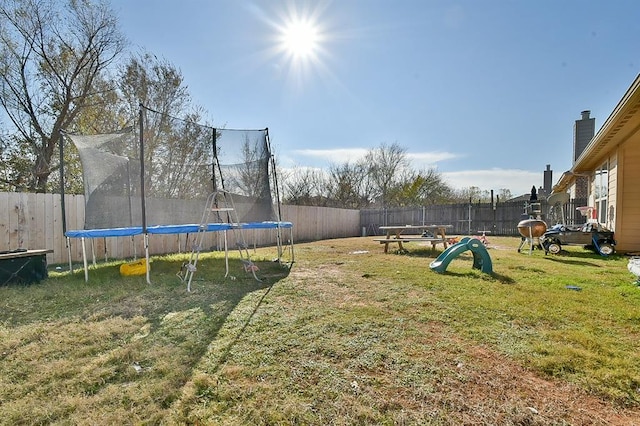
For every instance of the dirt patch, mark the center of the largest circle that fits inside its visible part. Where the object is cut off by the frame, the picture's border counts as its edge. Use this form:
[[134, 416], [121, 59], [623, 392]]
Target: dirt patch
[[495, 379], [487, 387]]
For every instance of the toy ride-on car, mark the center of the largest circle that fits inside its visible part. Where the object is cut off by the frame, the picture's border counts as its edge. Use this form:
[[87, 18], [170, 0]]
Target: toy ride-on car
[[591, 235]]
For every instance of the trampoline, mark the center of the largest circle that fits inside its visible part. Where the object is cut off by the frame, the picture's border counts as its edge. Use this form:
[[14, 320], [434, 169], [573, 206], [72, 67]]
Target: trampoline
[[90, 234], [167, 175]]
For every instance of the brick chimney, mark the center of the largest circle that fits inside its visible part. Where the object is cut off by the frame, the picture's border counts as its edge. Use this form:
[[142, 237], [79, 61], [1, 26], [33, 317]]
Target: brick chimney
[[547, 180], [583, 131]]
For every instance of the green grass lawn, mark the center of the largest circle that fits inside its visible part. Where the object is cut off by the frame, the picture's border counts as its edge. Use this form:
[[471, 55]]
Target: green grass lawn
[[349, 335]]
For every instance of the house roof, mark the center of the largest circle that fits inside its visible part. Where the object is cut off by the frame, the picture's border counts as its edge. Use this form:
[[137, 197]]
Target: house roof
[[623, 122]]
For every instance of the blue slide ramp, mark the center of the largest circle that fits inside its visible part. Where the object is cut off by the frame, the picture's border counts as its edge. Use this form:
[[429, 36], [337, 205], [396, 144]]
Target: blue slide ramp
[[481, 258]]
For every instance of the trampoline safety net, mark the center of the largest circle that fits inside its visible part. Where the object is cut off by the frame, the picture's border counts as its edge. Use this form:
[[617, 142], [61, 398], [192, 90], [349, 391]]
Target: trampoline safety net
[[165, 169]]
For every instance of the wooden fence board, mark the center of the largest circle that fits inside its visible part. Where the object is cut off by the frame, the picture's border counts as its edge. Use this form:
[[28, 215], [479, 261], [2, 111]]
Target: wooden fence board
[[4, 224], [16, 240], [47, 215]]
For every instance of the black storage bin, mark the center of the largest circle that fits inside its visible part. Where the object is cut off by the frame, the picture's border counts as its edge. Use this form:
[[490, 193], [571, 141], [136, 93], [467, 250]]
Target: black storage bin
[[23, 267]]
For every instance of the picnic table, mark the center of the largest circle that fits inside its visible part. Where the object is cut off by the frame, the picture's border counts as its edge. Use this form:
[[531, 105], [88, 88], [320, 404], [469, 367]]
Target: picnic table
[[398, 234]]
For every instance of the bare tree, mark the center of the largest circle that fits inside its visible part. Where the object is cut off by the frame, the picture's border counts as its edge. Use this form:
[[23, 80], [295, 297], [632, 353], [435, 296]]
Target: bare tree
[[249, 177], [504, 194], [51, 53], [386, 166], [347, 185], [303, 186], [177, 150], [473, 194], [383, 177]]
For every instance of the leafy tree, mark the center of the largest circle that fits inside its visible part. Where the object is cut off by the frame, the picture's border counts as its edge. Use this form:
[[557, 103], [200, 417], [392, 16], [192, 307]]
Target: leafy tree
[[13, 178], [52, 55], [421, 188]]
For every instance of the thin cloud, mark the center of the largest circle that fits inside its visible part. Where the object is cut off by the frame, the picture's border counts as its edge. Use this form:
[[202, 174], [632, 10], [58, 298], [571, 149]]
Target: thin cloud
[[429, 158], [517, 181], [340, 155]]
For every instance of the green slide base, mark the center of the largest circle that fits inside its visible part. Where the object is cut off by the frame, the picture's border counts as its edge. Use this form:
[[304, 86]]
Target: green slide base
[[481, 258]]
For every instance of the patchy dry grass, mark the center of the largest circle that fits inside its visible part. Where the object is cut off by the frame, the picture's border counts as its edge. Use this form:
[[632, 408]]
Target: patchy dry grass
[[348, 336]]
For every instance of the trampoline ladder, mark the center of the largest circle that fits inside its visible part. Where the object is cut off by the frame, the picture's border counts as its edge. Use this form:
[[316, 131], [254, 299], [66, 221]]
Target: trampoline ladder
[[238, 233], [221, 203], [190, 267]]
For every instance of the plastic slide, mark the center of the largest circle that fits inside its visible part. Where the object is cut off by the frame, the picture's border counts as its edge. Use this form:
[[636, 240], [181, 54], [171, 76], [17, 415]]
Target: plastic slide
[[481, 258]]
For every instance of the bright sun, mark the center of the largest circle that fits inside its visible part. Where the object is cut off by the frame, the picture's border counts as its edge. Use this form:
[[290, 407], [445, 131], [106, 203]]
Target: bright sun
[[300, 39], [300, 43]]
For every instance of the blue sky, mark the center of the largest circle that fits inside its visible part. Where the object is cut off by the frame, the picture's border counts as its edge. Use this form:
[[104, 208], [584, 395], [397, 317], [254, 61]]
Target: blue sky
[[485, 91]]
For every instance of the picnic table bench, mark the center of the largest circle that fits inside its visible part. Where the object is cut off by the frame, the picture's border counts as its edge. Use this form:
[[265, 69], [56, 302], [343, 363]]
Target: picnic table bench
[[399, 241], [395, 235]]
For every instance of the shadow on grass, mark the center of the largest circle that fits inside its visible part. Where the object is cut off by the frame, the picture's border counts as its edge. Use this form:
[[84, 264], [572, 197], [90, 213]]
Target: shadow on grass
[[504, 279], [568, 260], [107, 293], [166, 330], [425, 251], [473, 273], [580, 257], [227, 349]]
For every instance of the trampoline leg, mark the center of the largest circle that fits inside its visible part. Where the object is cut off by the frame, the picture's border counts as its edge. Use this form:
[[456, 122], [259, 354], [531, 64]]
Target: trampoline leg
[[84, 261], [146, 256], [279, 243], [291, 248], [226, 255], [93, 252], [69, 254]]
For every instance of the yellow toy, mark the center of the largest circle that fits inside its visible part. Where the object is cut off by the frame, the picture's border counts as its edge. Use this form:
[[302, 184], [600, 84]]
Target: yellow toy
[[138, 267]]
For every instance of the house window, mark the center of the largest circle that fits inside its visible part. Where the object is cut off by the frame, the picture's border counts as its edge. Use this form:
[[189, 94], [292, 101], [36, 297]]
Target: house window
[[602, 191]]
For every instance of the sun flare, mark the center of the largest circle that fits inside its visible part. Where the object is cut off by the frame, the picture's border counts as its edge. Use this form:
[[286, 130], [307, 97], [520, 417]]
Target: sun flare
[[300, 39], [300, 43]]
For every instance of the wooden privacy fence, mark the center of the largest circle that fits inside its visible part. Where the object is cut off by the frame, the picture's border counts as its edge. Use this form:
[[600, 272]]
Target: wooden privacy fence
[[34, 221], [466, 219]]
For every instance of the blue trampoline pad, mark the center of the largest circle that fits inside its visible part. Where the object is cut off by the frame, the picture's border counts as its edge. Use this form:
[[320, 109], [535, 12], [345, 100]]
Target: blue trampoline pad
[[187, 228], [173, 229], [106, 232], [263, 225]]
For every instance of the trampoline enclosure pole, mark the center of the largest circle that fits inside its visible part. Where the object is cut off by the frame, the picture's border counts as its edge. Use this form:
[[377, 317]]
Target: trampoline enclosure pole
[[142, 199], [62, 204]]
